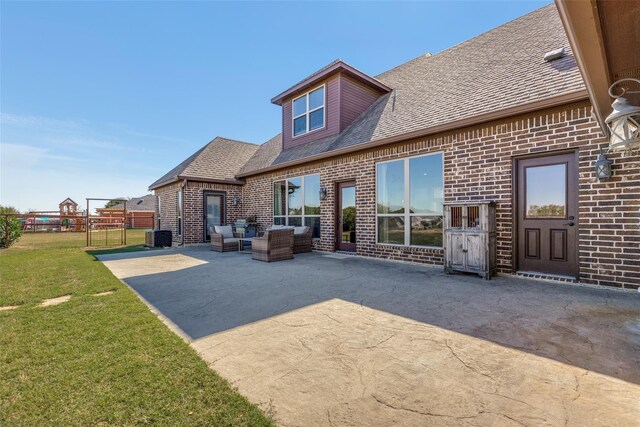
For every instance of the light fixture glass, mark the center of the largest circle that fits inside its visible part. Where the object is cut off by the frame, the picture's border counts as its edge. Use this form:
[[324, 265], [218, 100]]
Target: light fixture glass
[[603, 167], [323, 193], [624, 120]]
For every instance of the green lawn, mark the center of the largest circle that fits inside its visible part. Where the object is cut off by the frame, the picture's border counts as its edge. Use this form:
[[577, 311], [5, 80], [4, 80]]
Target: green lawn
[[61, 240], [96, 360]]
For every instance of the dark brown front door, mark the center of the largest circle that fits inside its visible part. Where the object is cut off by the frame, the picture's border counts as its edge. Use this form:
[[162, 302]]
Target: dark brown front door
[[547, 214], [346, 217]]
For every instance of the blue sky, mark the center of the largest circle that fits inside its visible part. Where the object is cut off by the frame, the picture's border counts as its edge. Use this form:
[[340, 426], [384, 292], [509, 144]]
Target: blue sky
[[99, 99]]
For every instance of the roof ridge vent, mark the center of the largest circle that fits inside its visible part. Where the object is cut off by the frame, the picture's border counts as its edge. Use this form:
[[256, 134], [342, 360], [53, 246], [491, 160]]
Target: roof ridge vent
[[554, 54]]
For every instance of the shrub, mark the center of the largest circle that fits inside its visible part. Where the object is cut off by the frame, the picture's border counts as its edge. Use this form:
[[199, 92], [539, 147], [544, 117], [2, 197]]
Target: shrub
[[10, 226]]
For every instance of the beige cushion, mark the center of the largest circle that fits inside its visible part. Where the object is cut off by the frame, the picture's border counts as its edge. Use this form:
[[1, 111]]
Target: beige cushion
[[278, 227], [299, 230], [231, 239], [225, 230]]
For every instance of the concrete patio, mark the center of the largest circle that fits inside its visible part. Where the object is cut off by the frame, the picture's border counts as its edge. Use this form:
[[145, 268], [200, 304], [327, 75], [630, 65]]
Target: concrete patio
[[327, 339]]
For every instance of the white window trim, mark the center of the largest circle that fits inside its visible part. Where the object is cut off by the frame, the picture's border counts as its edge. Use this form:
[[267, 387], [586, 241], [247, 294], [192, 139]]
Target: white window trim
[[407, 202], [286, 216], [308, 112]]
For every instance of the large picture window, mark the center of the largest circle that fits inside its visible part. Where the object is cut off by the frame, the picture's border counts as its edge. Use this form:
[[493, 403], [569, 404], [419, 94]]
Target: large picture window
[[409, 195], [308, 112], [296, 201]]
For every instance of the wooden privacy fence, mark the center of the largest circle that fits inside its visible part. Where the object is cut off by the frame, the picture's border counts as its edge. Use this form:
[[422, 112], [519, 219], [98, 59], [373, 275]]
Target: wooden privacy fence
[[140, 219]]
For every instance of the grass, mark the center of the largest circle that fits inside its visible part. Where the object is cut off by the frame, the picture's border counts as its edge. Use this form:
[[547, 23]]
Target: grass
[[96, 360], [60, 240]]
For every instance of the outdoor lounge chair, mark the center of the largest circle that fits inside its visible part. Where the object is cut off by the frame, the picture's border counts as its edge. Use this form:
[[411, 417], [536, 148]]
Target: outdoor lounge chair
[[302, 237], [275, 245], [223, 239]]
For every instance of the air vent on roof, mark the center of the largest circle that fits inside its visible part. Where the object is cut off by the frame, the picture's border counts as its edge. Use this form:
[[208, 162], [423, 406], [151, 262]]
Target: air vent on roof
[[554, 54]]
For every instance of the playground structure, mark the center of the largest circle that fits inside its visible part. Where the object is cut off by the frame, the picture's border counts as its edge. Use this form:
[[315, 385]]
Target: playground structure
[[103, 227], [67, 218]]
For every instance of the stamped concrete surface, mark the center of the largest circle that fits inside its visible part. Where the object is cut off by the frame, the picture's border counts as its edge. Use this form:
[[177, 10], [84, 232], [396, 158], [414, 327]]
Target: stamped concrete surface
[[333, 340]]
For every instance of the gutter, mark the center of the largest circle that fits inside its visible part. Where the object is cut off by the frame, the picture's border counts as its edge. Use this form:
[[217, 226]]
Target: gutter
[[197, 179], [565, 98], [212, 180], [171, 181]]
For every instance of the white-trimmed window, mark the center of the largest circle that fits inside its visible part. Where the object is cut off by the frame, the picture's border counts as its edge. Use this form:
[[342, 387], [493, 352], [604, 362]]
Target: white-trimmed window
[[308, 112], [296, 201], [409, 196]]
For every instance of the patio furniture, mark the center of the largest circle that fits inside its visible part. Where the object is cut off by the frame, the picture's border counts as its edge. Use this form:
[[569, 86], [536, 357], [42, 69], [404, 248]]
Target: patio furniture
[[223, 239], [302, 238], [275, 245], [244, 242]]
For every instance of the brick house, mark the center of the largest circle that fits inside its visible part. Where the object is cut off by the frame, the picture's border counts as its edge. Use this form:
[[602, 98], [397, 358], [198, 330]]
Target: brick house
[[202, 189], [368, 161]]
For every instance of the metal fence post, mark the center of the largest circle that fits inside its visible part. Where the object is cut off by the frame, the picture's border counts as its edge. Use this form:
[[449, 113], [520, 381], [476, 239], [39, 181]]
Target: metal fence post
[[6, 231]]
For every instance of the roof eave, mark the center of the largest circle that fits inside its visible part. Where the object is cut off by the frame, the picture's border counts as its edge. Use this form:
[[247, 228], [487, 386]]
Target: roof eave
[[163, 183], [335, 68], [554, 101], [196, 179], [582, 26], [211, 180]]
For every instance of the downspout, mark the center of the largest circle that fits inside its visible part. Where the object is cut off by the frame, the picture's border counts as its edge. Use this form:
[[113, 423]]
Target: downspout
[[182, 187]]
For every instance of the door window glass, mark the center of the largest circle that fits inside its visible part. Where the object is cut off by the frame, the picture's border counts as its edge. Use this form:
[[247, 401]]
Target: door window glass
[[348, 215], [214, 212], [546, 191]]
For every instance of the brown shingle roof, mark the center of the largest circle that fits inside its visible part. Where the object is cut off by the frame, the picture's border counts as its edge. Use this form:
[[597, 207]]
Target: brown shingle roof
[[498, 70], [144, 203], [221, 159], [265, 155]]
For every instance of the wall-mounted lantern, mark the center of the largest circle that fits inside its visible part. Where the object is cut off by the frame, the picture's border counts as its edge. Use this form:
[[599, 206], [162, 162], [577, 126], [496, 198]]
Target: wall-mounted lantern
[[323, 193], [236, 200], [624, 120], [603, 167]]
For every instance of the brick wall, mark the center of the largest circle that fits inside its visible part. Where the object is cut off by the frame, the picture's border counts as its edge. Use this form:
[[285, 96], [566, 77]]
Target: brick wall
[[168, 200], [478, 165], [193, 210], [194, 207]]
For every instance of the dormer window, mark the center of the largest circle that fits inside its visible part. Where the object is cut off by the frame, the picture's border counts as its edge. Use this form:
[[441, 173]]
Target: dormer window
[[308, 112]]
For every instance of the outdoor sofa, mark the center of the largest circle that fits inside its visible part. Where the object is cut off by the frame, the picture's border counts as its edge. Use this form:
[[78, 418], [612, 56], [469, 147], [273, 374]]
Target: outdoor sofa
[[274, 245], [302, 237]]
